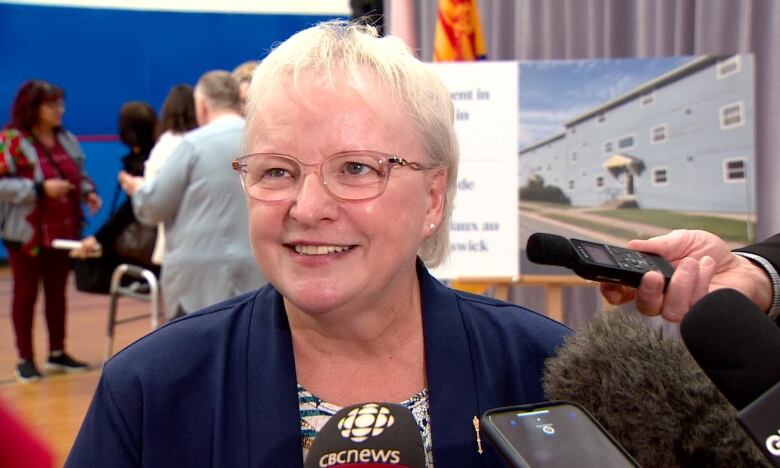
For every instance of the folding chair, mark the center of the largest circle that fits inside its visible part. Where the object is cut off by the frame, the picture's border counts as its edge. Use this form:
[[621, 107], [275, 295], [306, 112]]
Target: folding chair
[[143, 287]]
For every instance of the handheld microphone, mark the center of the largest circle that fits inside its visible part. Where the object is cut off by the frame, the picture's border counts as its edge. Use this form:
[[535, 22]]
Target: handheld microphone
[[368, 435], [738, 347], [596, 261], [649, 393]]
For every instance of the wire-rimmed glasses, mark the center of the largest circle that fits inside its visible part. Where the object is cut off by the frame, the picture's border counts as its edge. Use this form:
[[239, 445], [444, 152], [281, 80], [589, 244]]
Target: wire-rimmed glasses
[[348, 175]]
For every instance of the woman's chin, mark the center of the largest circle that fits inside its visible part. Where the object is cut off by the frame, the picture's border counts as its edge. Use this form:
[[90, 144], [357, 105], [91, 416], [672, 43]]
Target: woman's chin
[[315, 299]]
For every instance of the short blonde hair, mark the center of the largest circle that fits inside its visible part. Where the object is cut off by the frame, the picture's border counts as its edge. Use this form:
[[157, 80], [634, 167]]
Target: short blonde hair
[[243, 72], [344, 46]]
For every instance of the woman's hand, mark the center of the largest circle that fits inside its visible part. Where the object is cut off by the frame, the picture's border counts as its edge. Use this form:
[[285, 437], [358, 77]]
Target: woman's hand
[[130, 184], [90, 247], [56, 188], [94, 202], [703, 264]]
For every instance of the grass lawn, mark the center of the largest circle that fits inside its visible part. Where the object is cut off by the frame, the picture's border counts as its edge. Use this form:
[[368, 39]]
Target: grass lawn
[[729, 229], [627, 234]]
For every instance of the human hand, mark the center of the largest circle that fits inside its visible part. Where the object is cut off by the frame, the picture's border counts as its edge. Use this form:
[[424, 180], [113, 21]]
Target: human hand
[[90, 247], [55, 188], [703, 264], [94, 202], [130, 183]]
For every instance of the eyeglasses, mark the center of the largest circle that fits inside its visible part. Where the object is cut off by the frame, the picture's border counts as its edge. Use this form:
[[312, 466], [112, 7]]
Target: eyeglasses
[[349, 175], [55, 105]]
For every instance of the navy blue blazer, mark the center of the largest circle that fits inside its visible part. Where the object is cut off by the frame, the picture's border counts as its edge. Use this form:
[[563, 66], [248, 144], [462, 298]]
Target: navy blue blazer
[[218, 387]]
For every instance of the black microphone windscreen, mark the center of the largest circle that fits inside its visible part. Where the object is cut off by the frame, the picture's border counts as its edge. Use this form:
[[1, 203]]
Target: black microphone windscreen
[[649, 394], [368, 434], [550, 249], [735, 344]]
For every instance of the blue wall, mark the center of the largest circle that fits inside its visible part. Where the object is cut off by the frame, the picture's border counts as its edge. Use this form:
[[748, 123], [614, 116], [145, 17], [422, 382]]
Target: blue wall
[[105, 57]]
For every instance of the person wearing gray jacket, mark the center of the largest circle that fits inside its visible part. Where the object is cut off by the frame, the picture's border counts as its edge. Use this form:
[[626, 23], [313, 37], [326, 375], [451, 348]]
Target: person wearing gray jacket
[[198, 198]]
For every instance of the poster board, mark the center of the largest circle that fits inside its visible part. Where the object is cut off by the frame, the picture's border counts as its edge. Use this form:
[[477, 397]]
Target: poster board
[[620, 149], [484, 226]]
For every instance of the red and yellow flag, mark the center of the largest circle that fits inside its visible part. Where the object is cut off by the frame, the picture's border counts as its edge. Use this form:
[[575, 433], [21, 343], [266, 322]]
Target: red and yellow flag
[[458, 35]]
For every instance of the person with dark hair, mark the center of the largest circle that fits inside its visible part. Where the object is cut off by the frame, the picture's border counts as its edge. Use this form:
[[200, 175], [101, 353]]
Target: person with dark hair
[[137, 126], [42, 187], [176, 119]]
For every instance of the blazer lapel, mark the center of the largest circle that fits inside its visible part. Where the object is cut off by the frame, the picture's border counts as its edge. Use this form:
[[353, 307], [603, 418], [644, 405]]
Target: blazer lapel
[[274, 429], [451, 386]]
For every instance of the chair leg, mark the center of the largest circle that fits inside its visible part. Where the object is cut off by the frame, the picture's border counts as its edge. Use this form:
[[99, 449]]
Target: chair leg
[[117, 290]]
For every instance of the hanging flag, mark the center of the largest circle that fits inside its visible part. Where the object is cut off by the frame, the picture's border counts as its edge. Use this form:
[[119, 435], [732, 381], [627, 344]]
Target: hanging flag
[[458, 35]]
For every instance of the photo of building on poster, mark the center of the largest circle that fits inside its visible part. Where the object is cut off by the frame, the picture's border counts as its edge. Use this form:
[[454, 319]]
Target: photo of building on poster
[[613, 150]]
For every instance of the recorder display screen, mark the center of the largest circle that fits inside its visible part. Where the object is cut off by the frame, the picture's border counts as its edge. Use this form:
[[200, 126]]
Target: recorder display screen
[[598, 253]]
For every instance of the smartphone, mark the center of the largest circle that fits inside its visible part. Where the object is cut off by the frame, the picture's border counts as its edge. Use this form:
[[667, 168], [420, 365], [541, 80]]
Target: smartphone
[[553, 434], [607, 263], [596, 261]]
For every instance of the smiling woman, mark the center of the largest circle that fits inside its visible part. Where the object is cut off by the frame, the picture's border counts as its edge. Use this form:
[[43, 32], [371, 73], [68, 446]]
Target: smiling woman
[[350, 179]]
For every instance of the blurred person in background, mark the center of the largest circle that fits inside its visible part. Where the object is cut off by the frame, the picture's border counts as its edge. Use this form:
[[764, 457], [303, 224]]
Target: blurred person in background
[[136, 126], [42, 187], [207, 254], [243, 76], [176, 119]]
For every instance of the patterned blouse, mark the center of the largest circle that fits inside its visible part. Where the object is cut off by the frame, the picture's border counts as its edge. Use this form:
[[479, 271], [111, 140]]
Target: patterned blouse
[[315, 413]]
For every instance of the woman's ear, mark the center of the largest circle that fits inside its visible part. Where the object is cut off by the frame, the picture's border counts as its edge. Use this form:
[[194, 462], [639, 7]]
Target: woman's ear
[[437, 196]]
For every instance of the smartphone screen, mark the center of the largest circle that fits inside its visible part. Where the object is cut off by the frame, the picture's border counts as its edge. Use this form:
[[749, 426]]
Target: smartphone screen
[[563, 435]]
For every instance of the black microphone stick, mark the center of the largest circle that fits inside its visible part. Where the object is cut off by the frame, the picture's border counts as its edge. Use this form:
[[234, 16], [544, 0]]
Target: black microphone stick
[[738, 347], [368, 435]]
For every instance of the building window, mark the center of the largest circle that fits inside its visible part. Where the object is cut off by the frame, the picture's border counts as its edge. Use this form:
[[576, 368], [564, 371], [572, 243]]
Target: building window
[[734, 170], [732, 116], [626, 142], [599, 181], [607, 147], [573, 157], [659, 134], [728, 67], [660, 176], [647, 99], [571, 184]]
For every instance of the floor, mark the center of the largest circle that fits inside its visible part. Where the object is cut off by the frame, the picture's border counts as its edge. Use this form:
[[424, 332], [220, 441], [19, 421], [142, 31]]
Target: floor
[[54, 407]]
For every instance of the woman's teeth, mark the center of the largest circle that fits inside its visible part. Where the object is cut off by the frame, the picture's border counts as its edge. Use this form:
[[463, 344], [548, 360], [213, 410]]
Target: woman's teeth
[[319, 249]]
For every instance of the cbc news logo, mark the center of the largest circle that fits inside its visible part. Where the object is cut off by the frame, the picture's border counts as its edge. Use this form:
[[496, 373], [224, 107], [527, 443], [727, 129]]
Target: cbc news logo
[[364, 421], [773, 444]]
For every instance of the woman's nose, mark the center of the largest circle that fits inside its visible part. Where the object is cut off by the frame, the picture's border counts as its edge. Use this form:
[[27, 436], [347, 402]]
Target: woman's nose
[[313, 203]]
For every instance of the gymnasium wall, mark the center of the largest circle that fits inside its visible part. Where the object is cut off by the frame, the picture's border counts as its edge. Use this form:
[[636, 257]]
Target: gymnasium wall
[[134, 50]]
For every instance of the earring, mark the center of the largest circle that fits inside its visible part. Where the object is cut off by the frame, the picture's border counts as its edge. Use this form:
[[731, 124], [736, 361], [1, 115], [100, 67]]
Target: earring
[[431, 226]]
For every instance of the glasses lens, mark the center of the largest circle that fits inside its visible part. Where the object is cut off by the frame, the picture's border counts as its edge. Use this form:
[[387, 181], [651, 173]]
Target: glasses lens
[[58, 104], [355, 176], [269, 176]]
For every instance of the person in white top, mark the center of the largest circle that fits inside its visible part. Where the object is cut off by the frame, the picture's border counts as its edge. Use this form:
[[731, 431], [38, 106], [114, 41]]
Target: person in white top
[[177, 118]]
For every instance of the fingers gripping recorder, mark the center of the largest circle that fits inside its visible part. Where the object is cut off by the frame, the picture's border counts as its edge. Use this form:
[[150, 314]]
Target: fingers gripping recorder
[[595, 261]]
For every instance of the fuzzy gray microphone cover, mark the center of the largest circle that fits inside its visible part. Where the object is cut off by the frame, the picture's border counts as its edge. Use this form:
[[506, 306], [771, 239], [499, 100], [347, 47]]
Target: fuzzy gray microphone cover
[[649, 393]]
